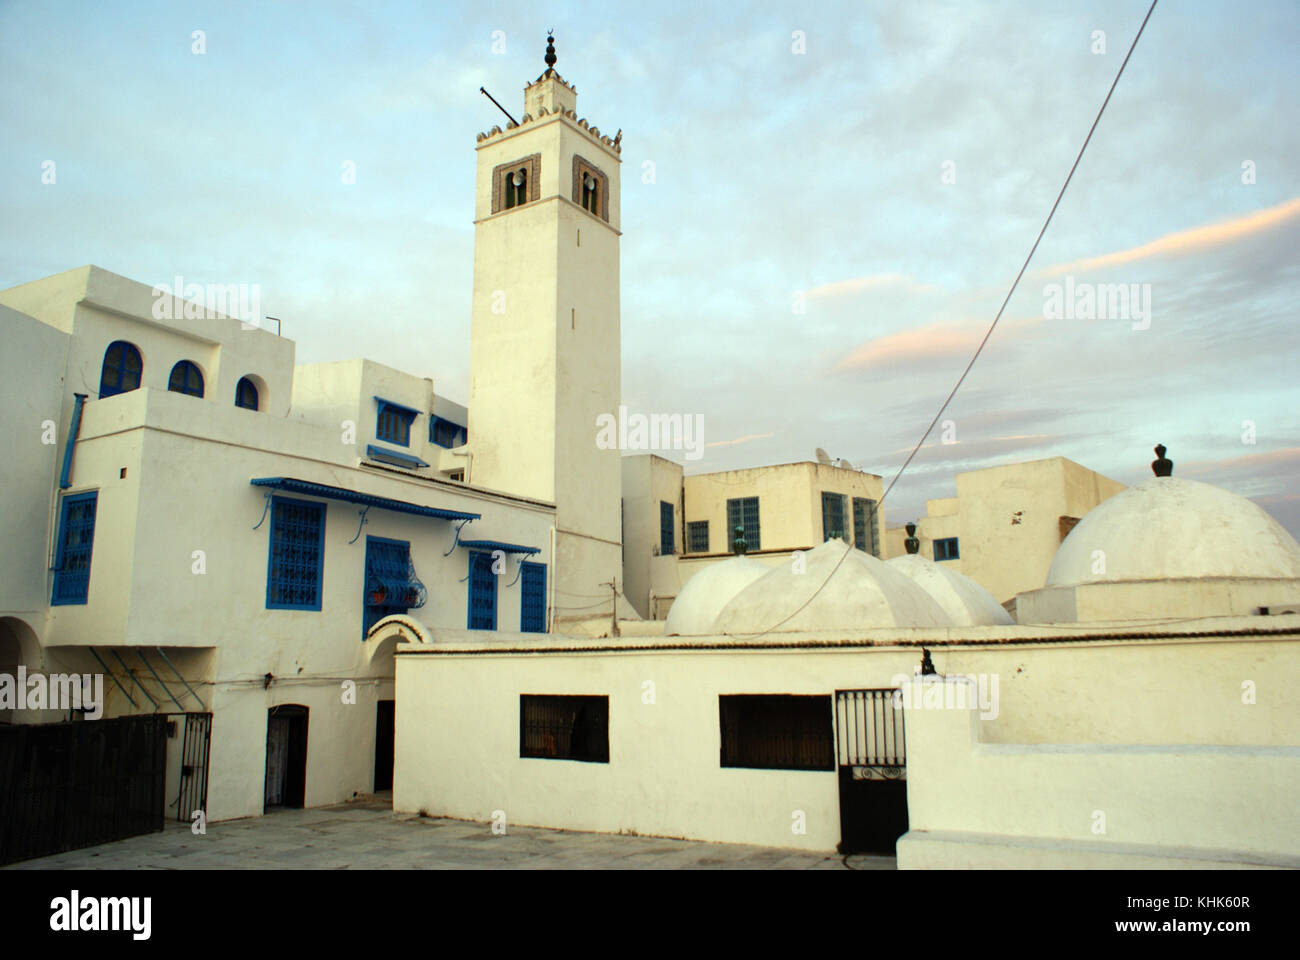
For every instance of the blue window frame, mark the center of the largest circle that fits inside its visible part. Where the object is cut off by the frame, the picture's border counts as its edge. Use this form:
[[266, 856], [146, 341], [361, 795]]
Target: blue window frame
[[946, 549], [186, 378], [394, 423], [667, 543], [482, 614], [743, 512], [697, 536], [246, 394], [121, 370], [532, 604], [296, 555], [391, 586], [866, 525], [447, 434], [76, 539], [832, 515]]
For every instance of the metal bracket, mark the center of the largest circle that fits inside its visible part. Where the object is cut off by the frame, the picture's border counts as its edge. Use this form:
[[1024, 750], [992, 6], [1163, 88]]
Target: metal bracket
[[364, 521], [456, 542], [519, 573], [266, 510]]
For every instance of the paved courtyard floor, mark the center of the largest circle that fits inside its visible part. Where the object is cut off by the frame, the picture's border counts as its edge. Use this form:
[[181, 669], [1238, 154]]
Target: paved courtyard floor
[[368, 835]]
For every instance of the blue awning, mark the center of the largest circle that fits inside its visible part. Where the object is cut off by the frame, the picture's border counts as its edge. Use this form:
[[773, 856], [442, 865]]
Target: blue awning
[[290, 485], [498, 545], [405, 409], [395, 457]]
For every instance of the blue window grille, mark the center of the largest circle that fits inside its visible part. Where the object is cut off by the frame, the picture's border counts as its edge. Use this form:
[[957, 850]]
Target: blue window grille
[[445, 433], [76, 538], [186, 378], [394, 423], [743, 512], [532, 610], [295, 561], [866, 525], [697, 536], [482, 592], [667, 542], [246, 394], [946, 549], [391, 586], [832, 515], [121, 370]]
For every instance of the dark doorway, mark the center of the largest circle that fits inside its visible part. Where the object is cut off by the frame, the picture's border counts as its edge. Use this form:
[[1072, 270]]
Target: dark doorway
[[385, 715], [872, 748], [286, 756]]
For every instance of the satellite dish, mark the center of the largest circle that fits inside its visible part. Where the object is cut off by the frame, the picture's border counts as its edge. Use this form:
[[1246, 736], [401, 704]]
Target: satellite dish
[[823, 457], [845, 465]]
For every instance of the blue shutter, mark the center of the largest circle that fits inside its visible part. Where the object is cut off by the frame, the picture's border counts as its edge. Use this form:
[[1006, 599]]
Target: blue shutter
[[297, 551], [482, 613], [532, 615], [390, 586], [666, 539], [76, 539]]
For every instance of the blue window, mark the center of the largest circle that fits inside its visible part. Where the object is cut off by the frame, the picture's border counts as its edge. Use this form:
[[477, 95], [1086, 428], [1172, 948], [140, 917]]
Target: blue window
[[246, 394], [532, 615], [394, 423], [667, 543], [697, 536], [743, 512], [866, 525], [295, 561], [445, 433], [946, 549], [121, 370], [832, 515], [391, 586], [482, 592], [76, 538], [186, 378]]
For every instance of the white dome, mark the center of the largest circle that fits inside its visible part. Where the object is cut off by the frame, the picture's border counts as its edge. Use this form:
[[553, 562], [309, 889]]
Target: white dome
[[1170, 529], [706, 593], [863, 592], [964, 600]]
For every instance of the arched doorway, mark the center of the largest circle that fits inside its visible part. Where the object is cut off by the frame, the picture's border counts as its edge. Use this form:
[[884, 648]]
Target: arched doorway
[[18, 647], [286, 757]]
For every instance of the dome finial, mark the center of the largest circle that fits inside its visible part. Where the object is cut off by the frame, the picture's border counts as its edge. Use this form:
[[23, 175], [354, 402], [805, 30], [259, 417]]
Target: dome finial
[[912, 544], [550, 50], [1161, 466]]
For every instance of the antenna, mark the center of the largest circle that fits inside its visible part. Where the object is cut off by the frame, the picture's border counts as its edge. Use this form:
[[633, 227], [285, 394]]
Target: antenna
[[823, 457], [499, 107]]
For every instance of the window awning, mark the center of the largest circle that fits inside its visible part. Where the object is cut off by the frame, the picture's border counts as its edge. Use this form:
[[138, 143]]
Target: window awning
[[498, 545], [399, 406], [394, 457], [290, 485]]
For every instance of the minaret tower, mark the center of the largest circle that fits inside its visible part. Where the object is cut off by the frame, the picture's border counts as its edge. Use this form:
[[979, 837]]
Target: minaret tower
[[545, 346]]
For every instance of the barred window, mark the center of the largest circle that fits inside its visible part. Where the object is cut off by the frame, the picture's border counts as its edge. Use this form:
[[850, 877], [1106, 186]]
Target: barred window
[[532, 603], [777, 732], [447, 434], [482, 614], [564, 727], [391, 585], [832, 515], [946, 549], [667, 542], [394, 424], [76, 539], [295, 564], [866, 526], [743, 512], [697, 536]]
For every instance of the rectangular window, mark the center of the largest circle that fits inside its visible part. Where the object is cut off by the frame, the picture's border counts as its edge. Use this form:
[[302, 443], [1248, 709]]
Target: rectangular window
[[564, 728], [394, 423], [832, 515], [946, 549], [667, 542], [76, 538], [743, 512], [482, 592], [697, 536], [532, 603], [866, 526], [294, 566], [777, 732], [447, 434], [390, 586]]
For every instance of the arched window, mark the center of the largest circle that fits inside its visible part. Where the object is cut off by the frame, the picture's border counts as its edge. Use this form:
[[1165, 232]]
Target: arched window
[[186, 378], [121, 371], [246, 394]]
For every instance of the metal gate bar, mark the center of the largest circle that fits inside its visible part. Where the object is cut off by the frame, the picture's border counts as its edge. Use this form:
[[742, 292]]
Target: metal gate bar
[[195, 750]]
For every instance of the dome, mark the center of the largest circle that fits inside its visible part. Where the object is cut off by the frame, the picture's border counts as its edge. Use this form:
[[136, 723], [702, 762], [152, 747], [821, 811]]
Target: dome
[[964, 600], [863, 592], [1173, 529], [706, 593]]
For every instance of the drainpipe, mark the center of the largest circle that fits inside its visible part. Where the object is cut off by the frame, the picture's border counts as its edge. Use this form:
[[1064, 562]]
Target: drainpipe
[[64, 479], [550, 584]]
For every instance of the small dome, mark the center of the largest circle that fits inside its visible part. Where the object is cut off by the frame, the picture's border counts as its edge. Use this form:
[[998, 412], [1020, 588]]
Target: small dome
[[705, 594], [863, 592], [1168, 528], [964, 600]]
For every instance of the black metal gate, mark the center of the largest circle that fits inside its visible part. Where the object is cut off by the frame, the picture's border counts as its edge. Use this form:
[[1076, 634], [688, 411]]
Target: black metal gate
[[70, 785], [872, 752], [195, 749]]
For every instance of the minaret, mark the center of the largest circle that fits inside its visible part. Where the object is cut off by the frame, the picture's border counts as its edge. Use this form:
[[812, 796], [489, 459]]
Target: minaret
[[545, 347]]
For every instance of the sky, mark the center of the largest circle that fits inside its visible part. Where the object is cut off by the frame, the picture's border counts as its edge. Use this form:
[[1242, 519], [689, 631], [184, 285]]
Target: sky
[[823, 207]]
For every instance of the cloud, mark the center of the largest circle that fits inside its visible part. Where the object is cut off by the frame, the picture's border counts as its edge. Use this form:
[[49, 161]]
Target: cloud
[[933, 342], [873, 282], [745, 439]]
